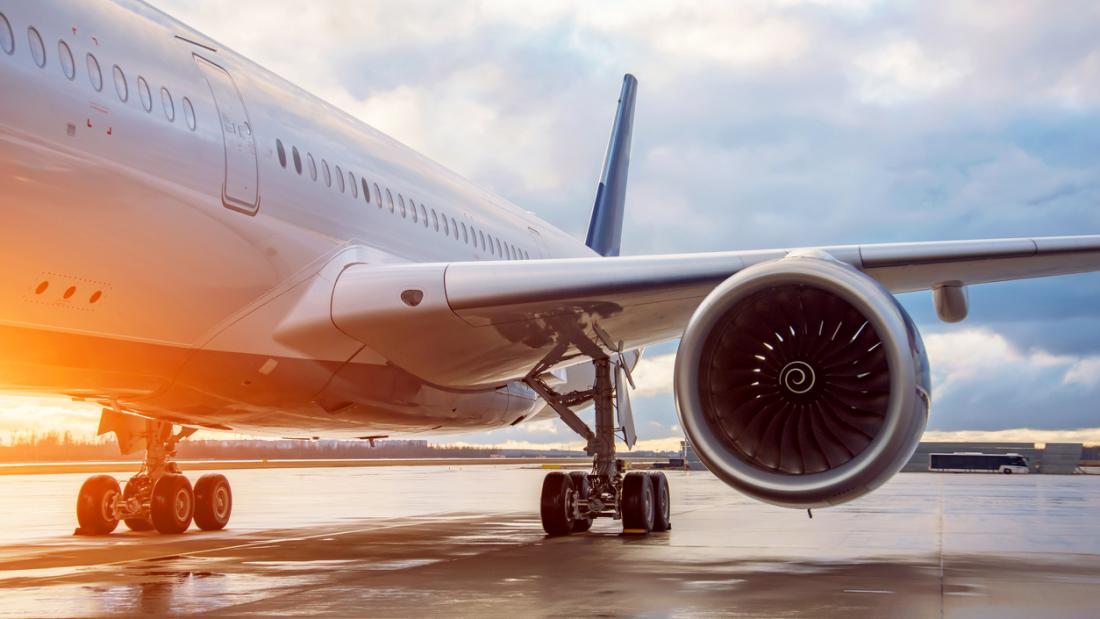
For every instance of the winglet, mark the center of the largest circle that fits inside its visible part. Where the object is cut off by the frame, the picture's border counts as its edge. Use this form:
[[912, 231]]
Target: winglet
[[606, 228]]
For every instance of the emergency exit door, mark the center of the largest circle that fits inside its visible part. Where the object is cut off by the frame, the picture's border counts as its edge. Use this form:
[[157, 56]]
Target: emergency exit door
[[241, 188]]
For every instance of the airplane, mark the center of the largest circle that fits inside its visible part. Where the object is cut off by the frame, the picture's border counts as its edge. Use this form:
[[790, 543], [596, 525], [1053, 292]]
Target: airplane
[[192, 242]]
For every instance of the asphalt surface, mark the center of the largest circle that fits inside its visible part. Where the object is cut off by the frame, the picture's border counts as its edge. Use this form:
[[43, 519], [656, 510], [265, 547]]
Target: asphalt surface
[[466, 542]]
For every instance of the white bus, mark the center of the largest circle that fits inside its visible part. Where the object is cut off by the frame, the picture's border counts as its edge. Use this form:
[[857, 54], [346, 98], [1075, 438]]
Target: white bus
[[978, 463]]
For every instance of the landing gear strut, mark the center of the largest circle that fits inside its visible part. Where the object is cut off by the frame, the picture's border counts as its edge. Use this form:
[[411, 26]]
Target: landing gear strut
[[571, 501], [158, 497]]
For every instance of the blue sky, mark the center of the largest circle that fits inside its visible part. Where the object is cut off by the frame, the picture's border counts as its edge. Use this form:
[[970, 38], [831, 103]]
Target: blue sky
[[759, 124]]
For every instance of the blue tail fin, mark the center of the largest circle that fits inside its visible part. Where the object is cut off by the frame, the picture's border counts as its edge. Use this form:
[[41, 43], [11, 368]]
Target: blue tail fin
[[605, 231]]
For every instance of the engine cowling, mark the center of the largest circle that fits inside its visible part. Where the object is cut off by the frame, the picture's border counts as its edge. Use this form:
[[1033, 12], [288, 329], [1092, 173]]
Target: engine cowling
[[802, 382]]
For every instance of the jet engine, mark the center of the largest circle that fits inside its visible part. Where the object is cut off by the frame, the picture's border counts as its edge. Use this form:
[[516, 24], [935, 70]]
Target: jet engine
[[802, 382]]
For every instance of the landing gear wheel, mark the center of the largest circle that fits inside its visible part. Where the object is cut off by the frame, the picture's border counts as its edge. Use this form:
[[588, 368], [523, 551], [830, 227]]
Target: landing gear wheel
[[95, 505], [637, 504], [173, 504], [557, 504], [213, 502], [1007, 471], [133, 488], [581, 489], [662, 517]]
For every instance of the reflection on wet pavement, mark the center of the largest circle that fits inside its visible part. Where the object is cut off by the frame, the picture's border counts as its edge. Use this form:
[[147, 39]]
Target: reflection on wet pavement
[[375, 542]]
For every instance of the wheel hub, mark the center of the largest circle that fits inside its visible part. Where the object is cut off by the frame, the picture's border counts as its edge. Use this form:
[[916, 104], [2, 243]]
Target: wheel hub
[[182, 504], [107, 507], [221, 502]]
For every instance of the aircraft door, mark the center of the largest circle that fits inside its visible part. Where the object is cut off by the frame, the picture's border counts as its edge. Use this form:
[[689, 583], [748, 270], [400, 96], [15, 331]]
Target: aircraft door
[[540, 250], [241, 189]]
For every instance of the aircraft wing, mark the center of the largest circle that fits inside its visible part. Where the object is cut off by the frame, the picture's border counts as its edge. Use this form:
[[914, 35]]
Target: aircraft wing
[[476, 323]]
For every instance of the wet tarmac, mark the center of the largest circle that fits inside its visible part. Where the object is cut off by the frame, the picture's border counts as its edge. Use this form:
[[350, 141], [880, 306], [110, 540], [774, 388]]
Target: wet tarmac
[[466, 541]]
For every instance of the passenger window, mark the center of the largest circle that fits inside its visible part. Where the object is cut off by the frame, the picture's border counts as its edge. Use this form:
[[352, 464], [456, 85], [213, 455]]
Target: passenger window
[[120, 84], [7, 39], [38, 50], [424, 214], [454, 228], [328, 174], [435, 221], [378, 195], [189, 114], [412, 208], [94, 75], [339, 179], [499, 253], [169, 105], [401, 201], [481, 234], [146, 96], [64, 56], [297, 160], [446, 230], [465, 235], [281, 152], [366, 189], [389, 199], [312, 165], [353, 185]]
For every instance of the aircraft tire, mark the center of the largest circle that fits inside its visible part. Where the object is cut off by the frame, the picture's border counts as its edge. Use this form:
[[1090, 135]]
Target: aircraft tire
[[637, 503], [95, 505], [213, 502], [173, 504], [662, 516], [556, 506]]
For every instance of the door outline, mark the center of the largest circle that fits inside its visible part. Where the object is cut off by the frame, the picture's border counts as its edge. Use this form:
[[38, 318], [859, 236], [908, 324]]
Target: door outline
[[539, 247], [241, 171]]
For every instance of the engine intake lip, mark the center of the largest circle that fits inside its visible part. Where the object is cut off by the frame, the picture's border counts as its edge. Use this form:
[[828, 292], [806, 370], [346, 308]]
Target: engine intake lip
[[903, 416]]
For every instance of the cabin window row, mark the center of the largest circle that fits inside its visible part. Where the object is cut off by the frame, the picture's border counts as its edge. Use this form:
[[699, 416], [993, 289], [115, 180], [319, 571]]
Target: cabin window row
[[67, 61], [304, 164]]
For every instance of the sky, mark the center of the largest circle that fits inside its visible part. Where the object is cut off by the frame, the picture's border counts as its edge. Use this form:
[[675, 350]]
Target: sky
[[758, 124]]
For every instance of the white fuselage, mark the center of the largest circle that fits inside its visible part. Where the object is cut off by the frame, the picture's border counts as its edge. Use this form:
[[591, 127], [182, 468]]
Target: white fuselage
[[154, 238]]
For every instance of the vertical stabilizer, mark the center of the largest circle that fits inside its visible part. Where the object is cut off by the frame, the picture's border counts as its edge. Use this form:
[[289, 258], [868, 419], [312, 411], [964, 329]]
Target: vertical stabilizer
[[606, 228]]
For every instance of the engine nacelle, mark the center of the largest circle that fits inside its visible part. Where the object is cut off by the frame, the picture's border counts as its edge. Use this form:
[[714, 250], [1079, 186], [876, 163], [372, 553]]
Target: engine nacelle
[[802, 382]]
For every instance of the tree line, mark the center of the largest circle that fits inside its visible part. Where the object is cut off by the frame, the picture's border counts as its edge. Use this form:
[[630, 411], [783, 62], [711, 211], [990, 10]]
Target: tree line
[[63, 447]]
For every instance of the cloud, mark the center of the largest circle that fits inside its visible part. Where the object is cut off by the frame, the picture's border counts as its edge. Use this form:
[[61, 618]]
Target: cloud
[[901, 71], [653, 374]]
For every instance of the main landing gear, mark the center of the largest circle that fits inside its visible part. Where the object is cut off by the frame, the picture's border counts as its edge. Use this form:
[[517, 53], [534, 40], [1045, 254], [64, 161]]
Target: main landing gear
[[158, 498], [572, 500]]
